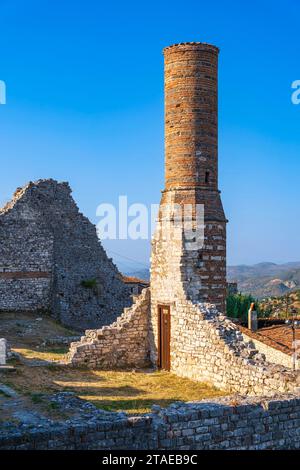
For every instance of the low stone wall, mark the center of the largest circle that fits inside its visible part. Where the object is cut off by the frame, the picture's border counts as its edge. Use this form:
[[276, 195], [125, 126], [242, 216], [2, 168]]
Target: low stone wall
[[87, 428], [124, 343], [231, 423]]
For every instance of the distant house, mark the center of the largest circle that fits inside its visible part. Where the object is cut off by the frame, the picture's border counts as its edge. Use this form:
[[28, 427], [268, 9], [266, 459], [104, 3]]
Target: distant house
[[135, 284]]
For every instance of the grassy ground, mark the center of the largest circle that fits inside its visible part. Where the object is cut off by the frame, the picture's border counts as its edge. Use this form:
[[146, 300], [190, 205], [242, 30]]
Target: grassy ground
[[130, 391], [44, 353], [24, 330]]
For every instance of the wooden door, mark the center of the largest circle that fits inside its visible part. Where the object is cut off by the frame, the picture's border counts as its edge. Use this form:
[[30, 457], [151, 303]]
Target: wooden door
[[164, 336]]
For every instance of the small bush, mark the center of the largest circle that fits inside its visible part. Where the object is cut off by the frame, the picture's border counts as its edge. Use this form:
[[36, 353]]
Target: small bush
[[53, 406], [89, 283], [37, 398]]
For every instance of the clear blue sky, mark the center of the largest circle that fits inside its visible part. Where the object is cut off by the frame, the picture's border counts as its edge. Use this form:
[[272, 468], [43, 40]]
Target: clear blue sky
[[85, 104]]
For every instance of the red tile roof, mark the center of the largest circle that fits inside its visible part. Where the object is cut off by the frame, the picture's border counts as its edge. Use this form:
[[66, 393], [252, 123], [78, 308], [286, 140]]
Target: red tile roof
[[135, 280], [277, 336]]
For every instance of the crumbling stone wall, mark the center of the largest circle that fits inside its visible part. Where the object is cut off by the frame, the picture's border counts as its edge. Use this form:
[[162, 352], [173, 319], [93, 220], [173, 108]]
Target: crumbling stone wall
[[270, 349], [204, 344], [47, 249], [232, 423], [207, 346], [26, 254], [122, 344]]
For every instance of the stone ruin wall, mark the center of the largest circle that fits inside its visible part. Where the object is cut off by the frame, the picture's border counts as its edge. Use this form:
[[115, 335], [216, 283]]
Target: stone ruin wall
[[271, 352], [208, 347], [205, 345], [228, 424], [47, 248], [122, 344], [26, 253]]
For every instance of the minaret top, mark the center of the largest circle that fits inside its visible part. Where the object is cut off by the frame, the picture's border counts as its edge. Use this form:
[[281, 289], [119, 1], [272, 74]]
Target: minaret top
[[191, 116], [191, 45]]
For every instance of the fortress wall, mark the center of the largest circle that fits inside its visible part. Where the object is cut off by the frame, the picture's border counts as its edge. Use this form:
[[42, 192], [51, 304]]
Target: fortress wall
[[48, 250]]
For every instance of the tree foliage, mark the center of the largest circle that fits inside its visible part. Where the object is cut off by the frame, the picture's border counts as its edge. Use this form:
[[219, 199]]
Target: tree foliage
[[239, 304]]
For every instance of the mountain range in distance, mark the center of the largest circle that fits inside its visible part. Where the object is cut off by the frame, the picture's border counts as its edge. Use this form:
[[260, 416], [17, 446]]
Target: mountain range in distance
[[266, 279], [260, 280]]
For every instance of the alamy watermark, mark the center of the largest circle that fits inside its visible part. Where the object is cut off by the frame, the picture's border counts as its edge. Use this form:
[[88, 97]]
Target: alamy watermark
[[296, 92], [166, 222], [2, 92]]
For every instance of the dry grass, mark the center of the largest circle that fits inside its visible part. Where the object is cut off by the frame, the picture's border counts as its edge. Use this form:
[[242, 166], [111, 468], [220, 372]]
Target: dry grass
[[44, 354], [130, 391]]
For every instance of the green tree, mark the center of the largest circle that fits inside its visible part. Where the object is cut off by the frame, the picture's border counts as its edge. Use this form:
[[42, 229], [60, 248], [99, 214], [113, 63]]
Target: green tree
[[238, 306]]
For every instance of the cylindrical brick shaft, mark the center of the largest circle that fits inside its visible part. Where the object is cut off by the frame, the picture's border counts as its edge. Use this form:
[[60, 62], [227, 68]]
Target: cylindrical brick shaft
[[191, 162], [191, 116]]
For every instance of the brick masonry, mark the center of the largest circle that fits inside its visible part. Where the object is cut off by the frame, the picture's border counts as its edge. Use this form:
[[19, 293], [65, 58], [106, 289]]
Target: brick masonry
[[204, 344], [191, 159], [47, 248]]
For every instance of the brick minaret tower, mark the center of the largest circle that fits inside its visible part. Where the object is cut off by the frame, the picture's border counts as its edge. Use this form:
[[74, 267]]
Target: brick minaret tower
[[191, 177]]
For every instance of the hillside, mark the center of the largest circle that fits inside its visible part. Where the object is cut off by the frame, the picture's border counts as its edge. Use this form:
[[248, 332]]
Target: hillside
[[266, 279], [284, 306]]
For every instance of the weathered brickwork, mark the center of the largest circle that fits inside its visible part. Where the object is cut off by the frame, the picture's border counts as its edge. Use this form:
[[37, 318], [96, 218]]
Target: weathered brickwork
[[191, 157], [122, 344], [204, 344], [232, 424], [47, 248], [191, 115]]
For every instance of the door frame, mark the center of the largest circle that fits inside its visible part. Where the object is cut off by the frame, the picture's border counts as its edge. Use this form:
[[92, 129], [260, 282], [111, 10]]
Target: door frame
[[160, 365]]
